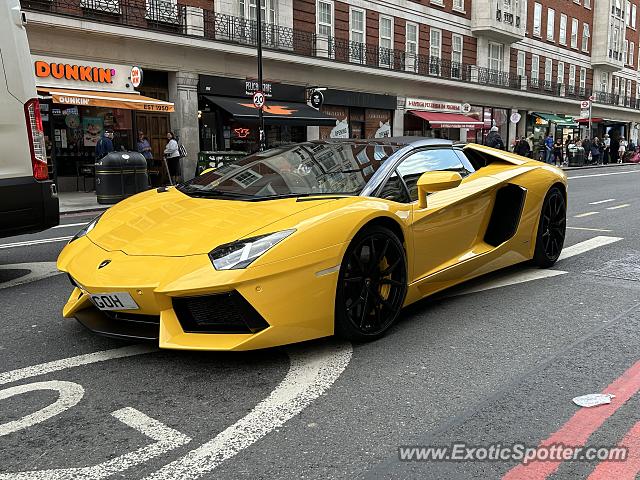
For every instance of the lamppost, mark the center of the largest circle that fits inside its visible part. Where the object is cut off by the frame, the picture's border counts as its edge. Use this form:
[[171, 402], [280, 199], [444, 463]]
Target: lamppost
[[260, 85]]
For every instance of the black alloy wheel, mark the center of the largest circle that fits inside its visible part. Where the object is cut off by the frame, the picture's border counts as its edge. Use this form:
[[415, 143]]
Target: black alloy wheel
[[551, 229], [372, 285]]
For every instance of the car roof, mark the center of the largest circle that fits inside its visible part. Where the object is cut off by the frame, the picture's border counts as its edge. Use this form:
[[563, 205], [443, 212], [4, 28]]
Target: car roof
[[395, 141]]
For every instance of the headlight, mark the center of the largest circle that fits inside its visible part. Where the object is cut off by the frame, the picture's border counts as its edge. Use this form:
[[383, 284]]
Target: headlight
[[86, 229], [241, 254]]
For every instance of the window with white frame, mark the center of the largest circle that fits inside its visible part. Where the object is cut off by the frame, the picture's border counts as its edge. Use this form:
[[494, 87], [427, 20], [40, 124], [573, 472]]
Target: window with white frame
[[548, 72], [604, 82], [325, 18], [585, 37], [535, 70], [634, 13], [357, 29], [386, 40], [587, 3], [628, 91], [563, 30], [572, 78], [248, 10], [551, 23], [165, 11], [574, 33], [625, 49], [458, 5], [583, 79], [411, 46], [456, 55], [537, 19], [560, 77], [632, 52], [521, 67], [435, 50], [627, 12], [496, 57]]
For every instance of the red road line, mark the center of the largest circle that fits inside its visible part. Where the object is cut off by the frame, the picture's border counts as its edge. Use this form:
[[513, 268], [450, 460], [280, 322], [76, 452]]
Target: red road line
[[627, 470], [581, 426]]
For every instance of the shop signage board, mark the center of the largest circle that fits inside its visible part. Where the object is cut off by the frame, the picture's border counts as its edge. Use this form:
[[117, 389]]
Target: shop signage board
[[60, 72], [436, 106]]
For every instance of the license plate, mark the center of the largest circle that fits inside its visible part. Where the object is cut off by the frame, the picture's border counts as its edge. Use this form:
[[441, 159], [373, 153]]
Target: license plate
[[114, 301]]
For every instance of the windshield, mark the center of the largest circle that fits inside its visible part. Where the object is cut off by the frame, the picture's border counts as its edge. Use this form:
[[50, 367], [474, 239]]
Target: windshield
[[299, 170]]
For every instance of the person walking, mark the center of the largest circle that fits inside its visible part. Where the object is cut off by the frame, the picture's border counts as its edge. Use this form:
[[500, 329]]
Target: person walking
[[622, 149], [494, 140], [172, 158], [557, 152], [606, 157], [144, 147], [522, 147], [104, 146], [548, 148], [596, 151]]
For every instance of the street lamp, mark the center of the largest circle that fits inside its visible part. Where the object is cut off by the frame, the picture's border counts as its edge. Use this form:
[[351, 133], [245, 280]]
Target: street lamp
[[260, 86]]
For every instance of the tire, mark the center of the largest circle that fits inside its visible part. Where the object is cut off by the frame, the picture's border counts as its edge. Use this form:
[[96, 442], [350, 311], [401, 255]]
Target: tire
[[552, 229], [372, 285]]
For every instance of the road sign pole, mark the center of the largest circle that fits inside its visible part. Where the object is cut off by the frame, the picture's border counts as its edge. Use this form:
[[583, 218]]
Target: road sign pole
[[260, 86]]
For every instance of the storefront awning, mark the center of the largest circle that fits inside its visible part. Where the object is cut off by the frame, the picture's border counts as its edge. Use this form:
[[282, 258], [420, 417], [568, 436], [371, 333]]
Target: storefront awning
[[583, 121], [275, 113], [559, 120], [447, 120], [129, 101]]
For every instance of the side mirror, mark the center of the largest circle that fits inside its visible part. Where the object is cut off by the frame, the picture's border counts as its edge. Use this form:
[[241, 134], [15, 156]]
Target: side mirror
[[431, 182]]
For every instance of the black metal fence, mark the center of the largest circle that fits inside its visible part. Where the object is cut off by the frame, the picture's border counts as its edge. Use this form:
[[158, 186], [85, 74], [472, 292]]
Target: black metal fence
[[170, 17]]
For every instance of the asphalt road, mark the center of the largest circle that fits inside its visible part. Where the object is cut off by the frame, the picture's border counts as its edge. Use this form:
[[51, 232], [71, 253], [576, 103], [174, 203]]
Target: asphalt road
[[496, 361]]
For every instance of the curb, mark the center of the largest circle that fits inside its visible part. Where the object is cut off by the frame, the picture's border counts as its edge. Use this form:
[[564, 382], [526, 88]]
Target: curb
[[587, 167]]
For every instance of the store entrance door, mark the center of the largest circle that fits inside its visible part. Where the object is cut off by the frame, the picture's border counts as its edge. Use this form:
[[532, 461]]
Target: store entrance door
[[155, 126]]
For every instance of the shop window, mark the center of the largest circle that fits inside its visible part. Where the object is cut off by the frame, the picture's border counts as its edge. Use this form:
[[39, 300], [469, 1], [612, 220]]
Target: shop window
[[107, 6]]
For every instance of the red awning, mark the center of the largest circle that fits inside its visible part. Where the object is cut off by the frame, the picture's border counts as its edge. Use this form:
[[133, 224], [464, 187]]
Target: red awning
[[447, 120], [586, 120]]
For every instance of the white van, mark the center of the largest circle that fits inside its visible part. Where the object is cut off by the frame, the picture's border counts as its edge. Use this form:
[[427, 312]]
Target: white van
[[28, 199]]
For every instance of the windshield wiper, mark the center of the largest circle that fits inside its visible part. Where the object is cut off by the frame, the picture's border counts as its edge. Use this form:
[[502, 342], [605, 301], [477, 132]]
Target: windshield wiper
[[191, 190]]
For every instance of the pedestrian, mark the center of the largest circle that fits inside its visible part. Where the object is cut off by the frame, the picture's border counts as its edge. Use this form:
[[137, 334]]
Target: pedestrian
[[548, 148], [606, 158], [144, 147], [522, 147], [622, 149], [104, 146], [596, 152], [172, 158], [557, 152], [494, 140]]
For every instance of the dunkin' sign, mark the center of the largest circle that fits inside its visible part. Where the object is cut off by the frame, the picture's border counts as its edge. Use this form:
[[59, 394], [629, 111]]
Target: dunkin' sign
[[68, 71]]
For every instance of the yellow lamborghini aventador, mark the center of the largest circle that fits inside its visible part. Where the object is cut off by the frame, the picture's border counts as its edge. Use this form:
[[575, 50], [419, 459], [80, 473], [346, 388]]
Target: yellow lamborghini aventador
[[310, 240]]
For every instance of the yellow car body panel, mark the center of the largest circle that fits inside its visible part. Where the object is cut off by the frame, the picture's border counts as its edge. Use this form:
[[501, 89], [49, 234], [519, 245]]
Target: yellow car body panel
[[158, 242]]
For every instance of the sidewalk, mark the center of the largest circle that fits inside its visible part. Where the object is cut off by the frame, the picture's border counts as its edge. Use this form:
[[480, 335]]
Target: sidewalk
[[78, 202]]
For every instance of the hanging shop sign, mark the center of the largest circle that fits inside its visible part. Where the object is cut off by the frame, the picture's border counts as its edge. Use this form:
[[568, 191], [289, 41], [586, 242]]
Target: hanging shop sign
[[316, 99], [74, 74], [436, 106], [136, 76]]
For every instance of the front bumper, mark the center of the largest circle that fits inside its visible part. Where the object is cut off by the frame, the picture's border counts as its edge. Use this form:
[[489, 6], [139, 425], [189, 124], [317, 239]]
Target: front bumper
[[290, 301]]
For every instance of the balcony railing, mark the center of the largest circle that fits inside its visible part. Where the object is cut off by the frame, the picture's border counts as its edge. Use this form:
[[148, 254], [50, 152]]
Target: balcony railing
[[170, 17]]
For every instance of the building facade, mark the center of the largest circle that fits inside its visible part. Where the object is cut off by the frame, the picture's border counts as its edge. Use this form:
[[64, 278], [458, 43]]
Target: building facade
[[431, 67]]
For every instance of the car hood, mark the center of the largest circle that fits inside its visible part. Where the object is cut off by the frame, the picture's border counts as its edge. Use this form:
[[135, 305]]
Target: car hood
[[173, 224]]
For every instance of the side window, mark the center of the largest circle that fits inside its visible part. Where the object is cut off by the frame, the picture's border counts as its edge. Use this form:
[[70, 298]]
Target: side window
[[430, 161], [394, 190]]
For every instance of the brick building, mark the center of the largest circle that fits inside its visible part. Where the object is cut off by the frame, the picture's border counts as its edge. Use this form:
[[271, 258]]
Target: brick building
[[386, 67]]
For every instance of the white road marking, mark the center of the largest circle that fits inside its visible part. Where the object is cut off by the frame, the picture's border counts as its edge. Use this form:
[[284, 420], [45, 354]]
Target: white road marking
[[34, 242], [603, 201], [166, 439], [625, 205], [587, 214], [603, 174], [69, 225], [86, 359], [311, 373], [39, 270], [511, 278], [590, 229], [69, 394], [587, 245]]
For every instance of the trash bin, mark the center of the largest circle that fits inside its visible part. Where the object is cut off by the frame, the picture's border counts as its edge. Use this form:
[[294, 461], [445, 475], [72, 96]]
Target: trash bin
[[576, 156], [120, 175]]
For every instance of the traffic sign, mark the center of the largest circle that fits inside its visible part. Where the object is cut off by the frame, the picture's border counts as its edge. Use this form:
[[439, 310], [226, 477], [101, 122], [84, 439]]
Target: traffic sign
[[258, 100]]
